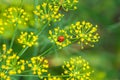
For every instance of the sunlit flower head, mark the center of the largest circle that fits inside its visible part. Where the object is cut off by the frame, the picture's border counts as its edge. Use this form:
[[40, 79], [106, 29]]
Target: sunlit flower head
[[47, 13], [11, 64], [50, 77], [1, 30], [1, 26], [77, 69], [4, 76], [4, 53], [38, 65], [84, 33], [27, 39], [66, 4], [59, 37], [15, 17]]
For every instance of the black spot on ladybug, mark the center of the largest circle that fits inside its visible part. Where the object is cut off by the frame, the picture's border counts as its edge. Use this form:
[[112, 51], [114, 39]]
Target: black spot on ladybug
[[61, 38]]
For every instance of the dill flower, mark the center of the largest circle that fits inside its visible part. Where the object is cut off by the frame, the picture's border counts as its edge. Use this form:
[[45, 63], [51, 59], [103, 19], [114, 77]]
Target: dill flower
[[4, 76], [5, 52], [15, 16], [1, 26], [1, 30], [59, 37], [38, 65], [66, 4], [84, 33], [53, 77], [27, 39], [77, 69], [47, 13], [11, 64]]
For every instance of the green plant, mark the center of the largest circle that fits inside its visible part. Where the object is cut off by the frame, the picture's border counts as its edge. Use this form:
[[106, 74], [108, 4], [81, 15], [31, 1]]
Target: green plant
[[22, 28]]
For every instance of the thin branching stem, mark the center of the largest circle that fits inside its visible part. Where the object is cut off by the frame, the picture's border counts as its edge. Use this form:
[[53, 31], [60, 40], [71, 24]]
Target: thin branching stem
[[46, 51], [36, 24], [15, 32], [23, 51]]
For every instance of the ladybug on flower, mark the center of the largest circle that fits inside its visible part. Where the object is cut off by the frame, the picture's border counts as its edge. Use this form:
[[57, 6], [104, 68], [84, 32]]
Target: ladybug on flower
[[61, 38]]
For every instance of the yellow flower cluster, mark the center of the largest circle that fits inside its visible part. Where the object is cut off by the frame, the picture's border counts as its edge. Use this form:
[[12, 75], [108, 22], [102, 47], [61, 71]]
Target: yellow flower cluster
[[27, 39], [1, 27], [60, 37], [4, 53], [77, 69], [38, 65], [66, 4], [52, 77], [15, 16], [85, 33], [3, 76], [47, 12], [1, 30], [10, 63]]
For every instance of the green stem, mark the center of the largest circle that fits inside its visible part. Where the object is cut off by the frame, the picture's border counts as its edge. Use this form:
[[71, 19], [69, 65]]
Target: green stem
[[35, 3], [46, 51], [26, 71], [36, 24], [36, 17], [42, 29], [21, 3], [23, 50], [13, 38], [27, 75], [113, 27], [15, 32], [43, 75]]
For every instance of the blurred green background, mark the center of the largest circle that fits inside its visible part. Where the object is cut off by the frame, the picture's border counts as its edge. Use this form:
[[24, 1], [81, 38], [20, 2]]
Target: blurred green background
[[105, 56]]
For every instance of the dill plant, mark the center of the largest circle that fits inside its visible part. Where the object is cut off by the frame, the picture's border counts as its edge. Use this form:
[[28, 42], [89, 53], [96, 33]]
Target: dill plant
[[15, 27]]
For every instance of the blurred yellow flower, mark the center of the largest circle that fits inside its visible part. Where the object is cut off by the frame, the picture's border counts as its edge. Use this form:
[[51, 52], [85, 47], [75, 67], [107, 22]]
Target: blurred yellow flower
[[11, 64], [47, 13], [66, 4], [16, 16], [84, 33], [1, 27], [38, 65], [77, 69], [60, 37], [27, 39], [53, 77]]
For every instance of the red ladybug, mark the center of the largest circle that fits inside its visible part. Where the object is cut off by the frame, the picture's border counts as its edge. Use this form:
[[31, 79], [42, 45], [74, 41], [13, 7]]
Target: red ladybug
[[61, 38]]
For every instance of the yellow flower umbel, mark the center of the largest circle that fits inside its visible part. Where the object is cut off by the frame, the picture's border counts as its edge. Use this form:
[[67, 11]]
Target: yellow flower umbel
[[1, 26], [4, 53], [13, 65], [38, 65], [10, 63], [59, 37], [47, 13], [27, 39], [66, 4], [53, 77], [3, 76], [84, 33], [15, 16], [77, 69]]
